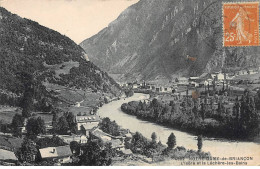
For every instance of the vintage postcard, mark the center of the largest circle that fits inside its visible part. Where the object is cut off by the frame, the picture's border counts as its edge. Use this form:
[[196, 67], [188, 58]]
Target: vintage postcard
[[129, 83]]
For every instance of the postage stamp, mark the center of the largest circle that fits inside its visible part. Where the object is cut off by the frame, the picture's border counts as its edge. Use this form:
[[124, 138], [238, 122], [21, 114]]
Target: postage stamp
[[240, 24]]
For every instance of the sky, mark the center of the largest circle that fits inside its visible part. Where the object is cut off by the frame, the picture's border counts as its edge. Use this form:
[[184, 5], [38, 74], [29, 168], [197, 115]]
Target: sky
[[77, 19]]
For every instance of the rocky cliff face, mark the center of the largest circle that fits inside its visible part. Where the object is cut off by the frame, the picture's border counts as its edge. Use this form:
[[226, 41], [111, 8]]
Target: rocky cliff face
[[162, 39]]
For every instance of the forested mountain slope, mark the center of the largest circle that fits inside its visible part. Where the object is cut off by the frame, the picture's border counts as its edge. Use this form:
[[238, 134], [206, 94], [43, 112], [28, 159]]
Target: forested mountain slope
[[33, 57]]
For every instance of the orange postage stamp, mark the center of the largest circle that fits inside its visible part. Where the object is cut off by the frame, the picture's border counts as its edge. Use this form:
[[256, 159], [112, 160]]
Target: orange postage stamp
[[240, 24]]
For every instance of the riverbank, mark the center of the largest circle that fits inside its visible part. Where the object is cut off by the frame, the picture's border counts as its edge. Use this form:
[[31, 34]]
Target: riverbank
[[217, 147], [142, 150], [218, 132], [182, 116]]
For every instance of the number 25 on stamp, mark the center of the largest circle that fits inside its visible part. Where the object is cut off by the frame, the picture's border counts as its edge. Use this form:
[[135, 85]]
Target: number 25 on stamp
[[240, 24]]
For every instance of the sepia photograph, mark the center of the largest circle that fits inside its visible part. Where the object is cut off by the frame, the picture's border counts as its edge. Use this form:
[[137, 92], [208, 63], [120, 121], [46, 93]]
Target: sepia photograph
[[129, 83]]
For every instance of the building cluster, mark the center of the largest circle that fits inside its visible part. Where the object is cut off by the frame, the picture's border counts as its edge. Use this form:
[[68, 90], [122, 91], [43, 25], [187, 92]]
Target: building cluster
[[204, 80], [87, 124]]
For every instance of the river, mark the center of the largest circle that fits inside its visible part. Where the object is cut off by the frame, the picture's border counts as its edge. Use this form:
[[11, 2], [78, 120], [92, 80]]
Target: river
[[217, 148]]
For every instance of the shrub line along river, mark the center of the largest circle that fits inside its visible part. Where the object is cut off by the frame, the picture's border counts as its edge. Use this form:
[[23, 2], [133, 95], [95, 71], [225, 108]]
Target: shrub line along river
[[217, 147]]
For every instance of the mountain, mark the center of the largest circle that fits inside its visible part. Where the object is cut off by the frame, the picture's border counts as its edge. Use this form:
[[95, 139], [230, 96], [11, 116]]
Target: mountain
[[163, 39], [37, 59]]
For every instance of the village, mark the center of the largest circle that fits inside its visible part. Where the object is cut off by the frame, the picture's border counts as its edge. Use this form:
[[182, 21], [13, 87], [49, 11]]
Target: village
[[85, 123], [202, 81], [209, 91], [72, 140]]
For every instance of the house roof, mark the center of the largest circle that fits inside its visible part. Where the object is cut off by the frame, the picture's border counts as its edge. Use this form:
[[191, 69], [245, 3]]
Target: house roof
[[182, 78], [128, 135], [203, 75], [231, 73], [75, 110], [70, 138], [10, 142], [127, 151], [7, 155], [98, 132], [116, 143], [242, 71], [102, 135], [89, 125], [4, 142], [193, 78], [88, 118], [107, 138], [55, 152]]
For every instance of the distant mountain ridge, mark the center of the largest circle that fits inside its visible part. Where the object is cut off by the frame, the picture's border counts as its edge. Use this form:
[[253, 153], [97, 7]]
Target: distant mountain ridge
[[35, 55], [155, 39]]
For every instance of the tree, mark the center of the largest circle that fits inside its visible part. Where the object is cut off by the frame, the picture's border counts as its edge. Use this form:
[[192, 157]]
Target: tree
[[27, 80], [71, 121], [27, 103], [257, 101], [62, 126], [129, 93], [214, 84], [195, 110], [171, 141], [203, 111], [160, 144], [155, 103], [108, 153], [154, 137], [236, 114], [27, 152], [54, 119], [220, 108], [138, 143], [110, 127], [35, 127], [127, 143], [106, 100], [199, 144], [6, 128], [17, 122], [249, 120], [75, 147], [54, 141], [93, 155]]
